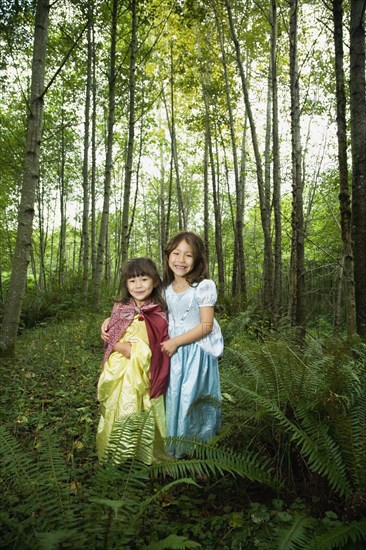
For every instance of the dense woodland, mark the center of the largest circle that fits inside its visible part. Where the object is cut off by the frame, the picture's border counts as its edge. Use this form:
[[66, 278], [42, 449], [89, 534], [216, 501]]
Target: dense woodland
[[123, 122]]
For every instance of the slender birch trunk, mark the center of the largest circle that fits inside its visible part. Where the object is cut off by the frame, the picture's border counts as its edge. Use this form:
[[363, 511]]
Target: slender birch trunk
[[277, 282], [238, 276], [174, 146], [14, 300], [131, 133], [86, 190], [93, 159], [265, 216], [297, 269], [206, 217], [62, 241], [215, 194], [108, 163]]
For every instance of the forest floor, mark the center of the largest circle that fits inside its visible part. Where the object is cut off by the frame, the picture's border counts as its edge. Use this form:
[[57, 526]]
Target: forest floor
[[50, 384]]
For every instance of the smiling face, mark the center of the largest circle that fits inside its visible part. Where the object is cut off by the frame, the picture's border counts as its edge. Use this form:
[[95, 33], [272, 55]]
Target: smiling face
[[181, 260], [140, 288]]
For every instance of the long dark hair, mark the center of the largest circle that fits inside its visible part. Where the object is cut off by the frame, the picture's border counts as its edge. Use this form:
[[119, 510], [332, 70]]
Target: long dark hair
[[138, 267], [200, 268]]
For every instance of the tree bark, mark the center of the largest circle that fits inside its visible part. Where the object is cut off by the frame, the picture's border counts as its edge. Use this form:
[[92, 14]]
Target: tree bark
[[174, 147], [297, 269], [277, 282], [215, 194], [238, 277], [346, 268], [93, 159], [131, 134], [86, 192], [63, 203], [10, 323], [108, 162], [265, 216], [358, 141]]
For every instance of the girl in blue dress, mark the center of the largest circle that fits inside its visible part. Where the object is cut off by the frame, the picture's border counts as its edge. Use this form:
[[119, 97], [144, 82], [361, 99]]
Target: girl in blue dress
[[195, 342]]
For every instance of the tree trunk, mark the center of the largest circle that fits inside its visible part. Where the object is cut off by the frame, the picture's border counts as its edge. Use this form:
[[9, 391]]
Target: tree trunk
[[277, 282], [206, 216], [165, 201], [215, 195], [174, 146], [108, 163], [93, 159], [265, 216], [131, 134], [358, 141], [268, 260], [62, 241], [85, 225], [13, 305], [238, 277], [346, 269], [297, 269], [42, 238]]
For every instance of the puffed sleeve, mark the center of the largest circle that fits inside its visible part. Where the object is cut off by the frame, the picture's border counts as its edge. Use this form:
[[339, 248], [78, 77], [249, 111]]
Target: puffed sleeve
[[206, 293]]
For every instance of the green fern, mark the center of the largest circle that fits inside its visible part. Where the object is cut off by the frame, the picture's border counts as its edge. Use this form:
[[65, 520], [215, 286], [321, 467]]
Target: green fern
[[297, 535], [173, 542], [45, 504], [205, 459], [340, 536], [311, 403]]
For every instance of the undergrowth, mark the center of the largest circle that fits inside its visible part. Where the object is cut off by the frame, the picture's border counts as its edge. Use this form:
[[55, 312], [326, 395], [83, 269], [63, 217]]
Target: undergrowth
[[286, 471]]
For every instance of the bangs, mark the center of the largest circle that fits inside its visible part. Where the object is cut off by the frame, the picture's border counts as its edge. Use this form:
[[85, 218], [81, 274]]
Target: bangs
[[140, 267]]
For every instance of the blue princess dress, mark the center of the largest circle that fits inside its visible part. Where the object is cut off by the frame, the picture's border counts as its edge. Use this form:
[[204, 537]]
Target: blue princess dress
[[194, 368]]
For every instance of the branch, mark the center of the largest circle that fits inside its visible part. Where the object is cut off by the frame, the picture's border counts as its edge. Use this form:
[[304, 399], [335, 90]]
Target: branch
[[63, 62]]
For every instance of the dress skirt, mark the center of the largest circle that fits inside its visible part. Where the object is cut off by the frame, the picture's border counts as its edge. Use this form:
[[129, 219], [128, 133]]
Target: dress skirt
[[193, 374], [124, 395]]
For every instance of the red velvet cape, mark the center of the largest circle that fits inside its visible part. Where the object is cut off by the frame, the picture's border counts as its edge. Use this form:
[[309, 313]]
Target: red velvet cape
[[157, 330]]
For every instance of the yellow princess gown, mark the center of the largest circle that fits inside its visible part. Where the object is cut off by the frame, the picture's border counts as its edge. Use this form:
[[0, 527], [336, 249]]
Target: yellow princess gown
[[124, 393]]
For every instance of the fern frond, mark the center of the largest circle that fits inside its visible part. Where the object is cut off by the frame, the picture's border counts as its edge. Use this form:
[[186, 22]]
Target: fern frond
[[329, 466], [297, 534], [18, 468], [132, 437], [43, 487], [338, 537], [53, 486], [173, 542], [205, 459]]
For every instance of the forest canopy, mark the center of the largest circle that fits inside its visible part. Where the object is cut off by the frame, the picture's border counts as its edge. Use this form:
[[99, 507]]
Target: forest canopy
[[239, 120]]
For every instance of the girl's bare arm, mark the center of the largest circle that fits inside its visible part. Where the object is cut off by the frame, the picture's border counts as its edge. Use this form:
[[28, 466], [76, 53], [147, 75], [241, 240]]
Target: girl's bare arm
[[204, 328]]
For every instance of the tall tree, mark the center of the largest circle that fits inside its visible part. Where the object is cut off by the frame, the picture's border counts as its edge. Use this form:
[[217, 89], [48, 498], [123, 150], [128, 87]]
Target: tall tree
[[214, 179], [238, 278], [297, 268], [277, 280], [344, 194], [93, 158], [358, 141], [10, 323], [98, 273], [86, 186], [131, 132], [63, 204], [174, 146], [265, 215]]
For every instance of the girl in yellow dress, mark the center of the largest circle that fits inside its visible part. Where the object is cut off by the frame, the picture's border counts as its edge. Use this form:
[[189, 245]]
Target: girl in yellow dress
[[135, 371]]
